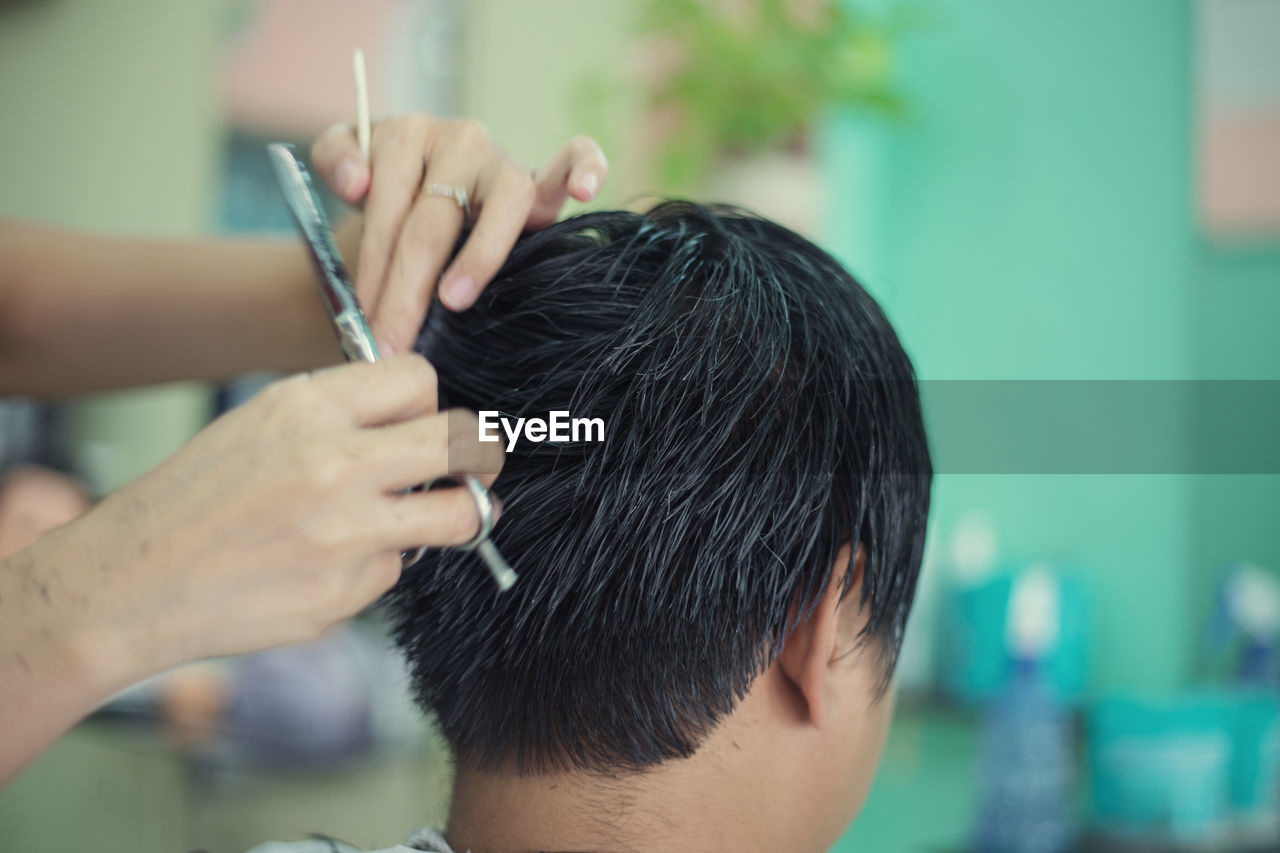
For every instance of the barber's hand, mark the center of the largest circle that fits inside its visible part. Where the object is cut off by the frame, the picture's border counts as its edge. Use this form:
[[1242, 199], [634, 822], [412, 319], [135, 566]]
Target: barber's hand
[[410, 233], [285, 515]]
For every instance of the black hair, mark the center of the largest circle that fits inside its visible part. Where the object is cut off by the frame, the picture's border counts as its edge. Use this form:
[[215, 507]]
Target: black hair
[[759, 413]]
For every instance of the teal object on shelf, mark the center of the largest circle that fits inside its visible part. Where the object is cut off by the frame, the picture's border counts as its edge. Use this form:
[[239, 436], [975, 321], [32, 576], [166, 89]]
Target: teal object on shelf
[[975, 665], [1255, 759], [1160, 771], [1193, 769]]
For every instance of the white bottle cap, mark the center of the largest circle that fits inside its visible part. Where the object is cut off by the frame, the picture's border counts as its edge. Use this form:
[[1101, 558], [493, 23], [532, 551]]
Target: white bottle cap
[[973, 547], [1253, 599], [1033, 624]]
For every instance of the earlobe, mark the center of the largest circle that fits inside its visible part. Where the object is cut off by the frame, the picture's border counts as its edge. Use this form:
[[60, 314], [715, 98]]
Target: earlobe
[[815, 643]]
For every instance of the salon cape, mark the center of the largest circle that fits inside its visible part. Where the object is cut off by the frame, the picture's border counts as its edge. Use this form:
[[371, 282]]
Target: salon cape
[[419, 840]]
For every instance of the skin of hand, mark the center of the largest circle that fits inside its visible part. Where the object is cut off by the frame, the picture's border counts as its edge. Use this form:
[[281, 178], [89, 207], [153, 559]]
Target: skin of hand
[[285, 515], [279, 519], [409, 233], [83, 313]]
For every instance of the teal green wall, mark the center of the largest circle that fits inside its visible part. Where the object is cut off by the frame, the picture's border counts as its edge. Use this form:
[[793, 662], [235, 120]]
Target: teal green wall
[[1034, 218], [1235, 335], [110, 123], [1032, 221]]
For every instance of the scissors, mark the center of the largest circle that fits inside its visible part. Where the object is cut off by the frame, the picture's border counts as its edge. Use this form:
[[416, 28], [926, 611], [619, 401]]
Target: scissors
[[355, 336]]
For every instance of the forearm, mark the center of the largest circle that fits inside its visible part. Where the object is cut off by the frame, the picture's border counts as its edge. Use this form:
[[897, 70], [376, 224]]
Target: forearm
[[55, 664], [81, 313]]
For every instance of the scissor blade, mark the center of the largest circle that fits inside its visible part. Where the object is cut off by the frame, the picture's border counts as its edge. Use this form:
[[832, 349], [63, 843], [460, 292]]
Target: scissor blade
[[308, 214]]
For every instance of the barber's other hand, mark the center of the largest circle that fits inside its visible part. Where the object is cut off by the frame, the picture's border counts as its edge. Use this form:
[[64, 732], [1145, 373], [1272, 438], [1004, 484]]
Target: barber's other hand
[[410, 233], [283, 516]]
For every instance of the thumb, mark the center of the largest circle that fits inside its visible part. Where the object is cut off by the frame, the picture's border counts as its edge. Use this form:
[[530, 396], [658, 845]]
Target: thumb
[[336, 157]]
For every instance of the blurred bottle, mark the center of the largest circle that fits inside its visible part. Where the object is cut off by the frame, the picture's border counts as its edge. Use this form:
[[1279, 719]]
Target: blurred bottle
[[1027, 764], [1246, 621], [975, 662]]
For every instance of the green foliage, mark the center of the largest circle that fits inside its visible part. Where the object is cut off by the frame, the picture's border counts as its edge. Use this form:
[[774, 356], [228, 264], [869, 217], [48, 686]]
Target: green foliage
[[746, 82]]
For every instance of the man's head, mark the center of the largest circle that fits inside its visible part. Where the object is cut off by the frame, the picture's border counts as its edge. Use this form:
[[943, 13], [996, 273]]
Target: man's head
[[757, 507]]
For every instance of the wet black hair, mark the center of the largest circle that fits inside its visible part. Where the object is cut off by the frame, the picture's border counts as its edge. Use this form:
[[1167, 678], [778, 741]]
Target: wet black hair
[[759, 413]]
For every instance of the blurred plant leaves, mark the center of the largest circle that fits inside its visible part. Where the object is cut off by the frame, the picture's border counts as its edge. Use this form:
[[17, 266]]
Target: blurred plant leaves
[[758, 76]]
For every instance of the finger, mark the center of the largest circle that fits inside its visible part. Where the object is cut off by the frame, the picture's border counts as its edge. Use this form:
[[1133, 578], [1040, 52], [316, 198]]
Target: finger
[[394, 389], [506, 200], [427, 448], [426, 241], [399, 153], [375, 577], [435, 519], [579, 169], [336, 157]]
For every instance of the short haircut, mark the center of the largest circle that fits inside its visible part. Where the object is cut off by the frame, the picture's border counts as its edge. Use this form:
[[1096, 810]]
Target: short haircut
[[760, 412]]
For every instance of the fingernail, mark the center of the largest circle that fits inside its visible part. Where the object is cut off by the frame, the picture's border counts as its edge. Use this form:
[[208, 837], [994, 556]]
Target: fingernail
[[346, 176], [591, 183], [459, 292], [385, 349]]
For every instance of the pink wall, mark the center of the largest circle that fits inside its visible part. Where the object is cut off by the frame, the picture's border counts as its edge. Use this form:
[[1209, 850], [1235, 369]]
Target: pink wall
[[289, 72]]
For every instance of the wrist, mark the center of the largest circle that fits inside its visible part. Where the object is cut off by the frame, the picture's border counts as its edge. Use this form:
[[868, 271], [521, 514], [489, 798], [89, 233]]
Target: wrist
[[66, 653], [100, 618]]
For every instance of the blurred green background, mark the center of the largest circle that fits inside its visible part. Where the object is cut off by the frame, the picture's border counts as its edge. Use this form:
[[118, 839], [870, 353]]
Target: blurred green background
[[1026, 208]]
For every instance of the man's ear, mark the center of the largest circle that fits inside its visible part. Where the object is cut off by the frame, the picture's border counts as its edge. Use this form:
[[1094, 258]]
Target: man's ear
[[816, 643]]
